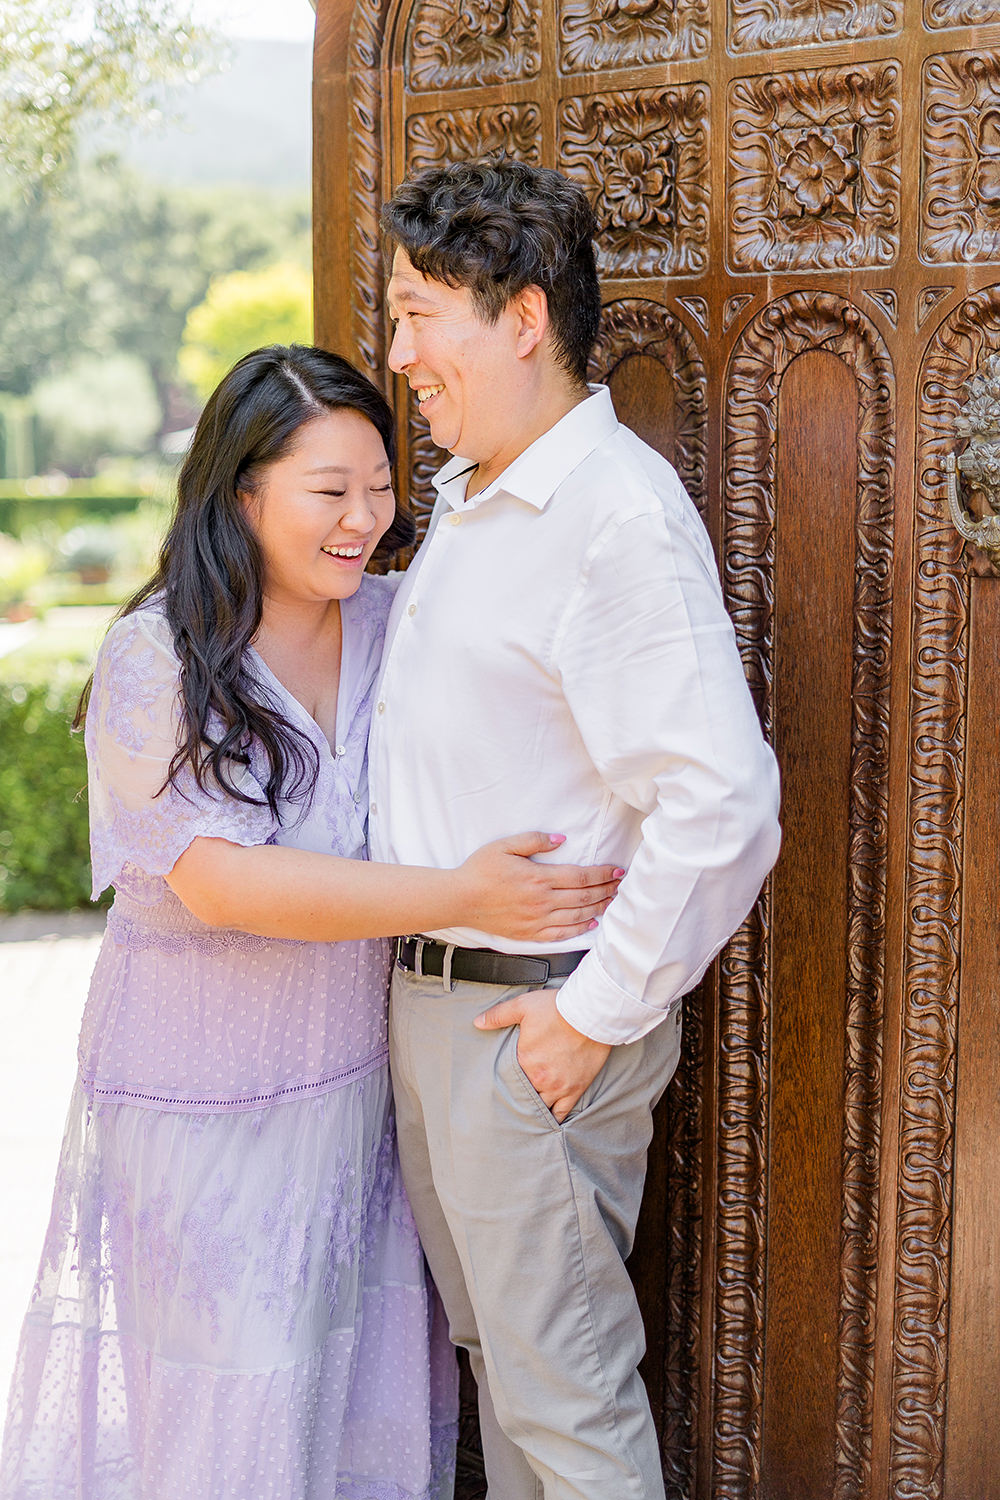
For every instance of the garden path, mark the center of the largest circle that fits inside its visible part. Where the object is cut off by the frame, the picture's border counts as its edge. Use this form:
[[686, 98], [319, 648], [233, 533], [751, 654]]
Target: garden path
[[45, 965]]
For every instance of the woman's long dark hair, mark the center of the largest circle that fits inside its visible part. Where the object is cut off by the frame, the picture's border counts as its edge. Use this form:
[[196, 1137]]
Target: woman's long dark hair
[[211, 570]]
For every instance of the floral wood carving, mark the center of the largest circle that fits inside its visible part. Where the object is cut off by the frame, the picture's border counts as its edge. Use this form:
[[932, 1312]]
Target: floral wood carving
[[757, 25], [433, 139], [454, 44], [960, 196], [933, 913], [596, 34], [799, 322], [813, 170], [643, 158], [634, 325]]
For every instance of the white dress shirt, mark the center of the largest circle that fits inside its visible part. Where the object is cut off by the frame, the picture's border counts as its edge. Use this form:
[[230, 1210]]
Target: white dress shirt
[[558, 657]]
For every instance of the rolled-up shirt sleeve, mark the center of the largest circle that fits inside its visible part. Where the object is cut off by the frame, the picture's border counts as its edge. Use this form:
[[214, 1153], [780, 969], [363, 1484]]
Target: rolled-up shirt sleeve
[[650, 670]]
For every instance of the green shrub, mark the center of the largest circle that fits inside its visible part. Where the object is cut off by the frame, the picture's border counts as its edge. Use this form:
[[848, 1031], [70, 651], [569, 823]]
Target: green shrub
[[44, 855]]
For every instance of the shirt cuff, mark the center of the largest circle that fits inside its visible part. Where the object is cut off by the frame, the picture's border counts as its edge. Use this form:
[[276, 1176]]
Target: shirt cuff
[[592, 1003]]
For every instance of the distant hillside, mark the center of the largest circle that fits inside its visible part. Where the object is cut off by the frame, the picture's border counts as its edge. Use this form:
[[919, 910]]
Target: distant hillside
[[251, 124]]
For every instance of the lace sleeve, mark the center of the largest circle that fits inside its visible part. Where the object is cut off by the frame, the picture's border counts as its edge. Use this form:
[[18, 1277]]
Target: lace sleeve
[[138, 826]]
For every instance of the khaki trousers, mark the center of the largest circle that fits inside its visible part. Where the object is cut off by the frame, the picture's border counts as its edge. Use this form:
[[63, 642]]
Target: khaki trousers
[[526, 1225]]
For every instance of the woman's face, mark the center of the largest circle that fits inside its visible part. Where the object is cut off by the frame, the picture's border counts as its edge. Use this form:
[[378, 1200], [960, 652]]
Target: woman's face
[[320, 511]]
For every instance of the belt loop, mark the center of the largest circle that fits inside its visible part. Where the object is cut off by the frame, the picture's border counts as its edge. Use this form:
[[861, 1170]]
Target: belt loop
[[418, 959], [446, 979]]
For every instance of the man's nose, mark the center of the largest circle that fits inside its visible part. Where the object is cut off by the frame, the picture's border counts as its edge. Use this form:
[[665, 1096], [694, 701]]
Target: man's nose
[[400, 350]]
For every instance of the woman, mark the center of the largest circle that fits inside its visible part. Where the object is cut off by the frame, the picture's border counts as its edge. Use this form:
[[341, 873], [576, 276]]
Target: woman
[[231, 1303]]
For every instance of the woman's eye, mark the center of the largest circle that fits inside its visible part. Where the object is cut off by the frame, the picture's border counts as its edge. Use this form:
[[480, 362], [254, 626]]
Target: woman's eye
[[381, 489]]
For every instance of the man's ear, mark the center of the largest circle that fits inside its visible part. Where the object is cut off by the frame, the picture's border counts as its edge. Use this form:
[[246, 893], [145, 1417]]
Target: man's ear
[[532, 309]]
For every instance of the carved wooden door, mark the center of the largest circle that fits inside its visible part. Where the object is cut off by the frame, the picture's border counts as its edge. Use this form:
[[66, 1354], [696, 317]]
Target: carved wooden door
[[800, 211]]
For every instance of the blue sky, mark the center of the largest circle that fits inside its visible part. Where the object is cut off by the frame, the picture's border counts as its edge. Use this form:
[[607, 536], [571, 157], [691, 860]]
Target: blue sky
[[275, 20]]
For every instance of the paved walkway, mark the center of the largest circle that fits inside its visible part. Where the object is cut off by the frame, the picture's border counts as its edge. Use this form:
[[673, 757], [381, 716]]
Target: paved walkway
[[45, 966]]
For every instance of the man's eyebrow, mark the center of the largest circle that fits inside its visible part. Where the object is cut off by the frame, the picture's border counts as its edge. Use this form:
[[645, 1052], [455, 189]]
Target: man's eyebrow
[[409, 294]]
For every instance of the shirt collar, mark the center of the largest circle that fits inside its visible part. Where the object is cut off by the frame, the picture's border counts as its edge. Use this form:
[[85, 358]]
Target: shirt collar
[[536, 474]]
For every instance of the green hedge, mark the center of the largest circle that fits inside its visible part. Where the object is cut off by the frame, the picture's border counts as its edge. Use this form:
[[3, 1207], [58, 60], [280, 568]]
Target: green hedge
[[44, 855], [19, 510]]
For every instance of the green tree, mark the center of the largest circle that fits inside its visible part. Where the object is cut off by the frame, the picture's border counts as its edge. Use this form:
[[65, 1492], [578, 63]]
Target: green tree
[[66, 63], [112, 263], [241, 312]]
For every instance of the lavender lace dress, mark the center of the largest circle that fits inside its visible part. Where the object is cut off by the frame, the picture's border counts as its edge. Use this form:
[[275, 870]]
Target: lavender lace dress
[[231, 1303]]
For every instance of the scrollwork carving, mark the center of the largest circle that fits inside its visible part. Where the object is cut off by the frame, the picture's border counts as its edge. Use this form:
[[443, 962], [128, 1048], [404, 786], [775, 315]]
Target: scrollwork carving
[[938, 13], [469, 43], [643, 158], [799, 322], [960, 194], [813, 171], [756, 25], [634, 325], [596, 34], [933, 914], [365, 177], [433, 139]]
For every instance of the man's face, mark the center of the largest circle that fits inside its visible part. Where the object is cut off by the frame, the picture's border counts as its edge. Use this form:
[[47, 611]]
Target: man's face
[[458, 364]]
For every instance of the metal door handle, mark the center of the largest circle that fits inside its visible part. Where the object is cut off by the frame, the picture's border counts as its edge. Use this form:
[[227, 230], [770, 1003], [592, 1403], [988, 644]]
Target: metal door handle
[[985, 533]]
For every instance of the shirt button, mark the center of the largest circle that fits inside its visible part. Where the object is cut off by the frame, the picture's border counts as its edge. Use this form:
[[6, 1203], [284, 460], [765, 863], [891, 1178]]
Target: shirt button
[[412, 609], [340, 750], [381, 706], [374, 809], [357, 796], [456, 520]]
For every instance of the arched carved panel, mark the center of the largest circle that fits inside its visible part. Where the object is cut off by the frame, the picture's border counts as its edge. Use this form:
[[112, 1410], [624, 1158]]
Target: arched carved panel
[[960, 195], [454, 44], [813, 169], [933, 913], [755, 25], [643, 158], [596, 34], [784, 329], [632, 325]]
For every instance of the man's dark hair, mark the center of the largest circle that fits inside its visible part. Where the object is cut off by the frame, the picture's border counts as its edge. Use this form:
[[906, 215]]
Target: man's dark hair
[[496, 226]]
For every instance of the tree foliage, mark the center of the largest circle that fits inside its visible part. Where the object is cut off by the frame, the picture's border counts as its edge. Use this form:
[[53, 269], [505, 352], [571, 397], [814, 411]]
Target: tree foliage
[[113, 263], [243, 311], [65, 64]]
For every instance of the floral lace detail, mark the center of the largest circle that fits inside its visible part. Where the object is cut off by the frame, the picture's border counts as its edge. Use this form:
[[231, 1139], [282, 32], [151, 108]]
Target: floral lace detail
[[134, 688], [139, 938], [219, 1261]]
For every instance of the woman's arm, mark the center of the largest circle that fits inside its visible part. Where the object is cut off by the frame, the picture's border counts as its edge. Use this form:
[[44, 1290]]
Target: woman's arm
[[279, 892]]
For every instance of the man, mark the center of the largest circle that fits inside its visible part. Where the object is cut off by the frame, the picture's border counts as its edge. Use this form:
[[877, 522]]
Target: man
[[558, 656]]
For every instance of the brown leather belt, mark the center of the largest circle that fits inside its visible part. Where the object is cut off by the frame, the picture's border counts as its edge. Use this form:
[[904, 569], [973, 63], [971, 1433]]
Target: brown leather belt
[[482, 965]]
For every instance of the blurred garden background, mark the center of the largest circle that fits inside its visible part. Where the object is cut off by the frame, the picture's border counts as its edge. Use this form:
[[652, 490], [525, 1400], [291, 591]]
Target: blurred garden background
[[154, 226]]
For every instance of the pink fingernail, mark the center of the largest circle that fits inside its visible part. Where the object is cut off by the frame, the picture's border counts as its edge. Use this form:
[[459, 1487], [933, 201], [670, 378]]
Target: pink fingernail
[[618, 874], [592, 925], [557, 838]]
